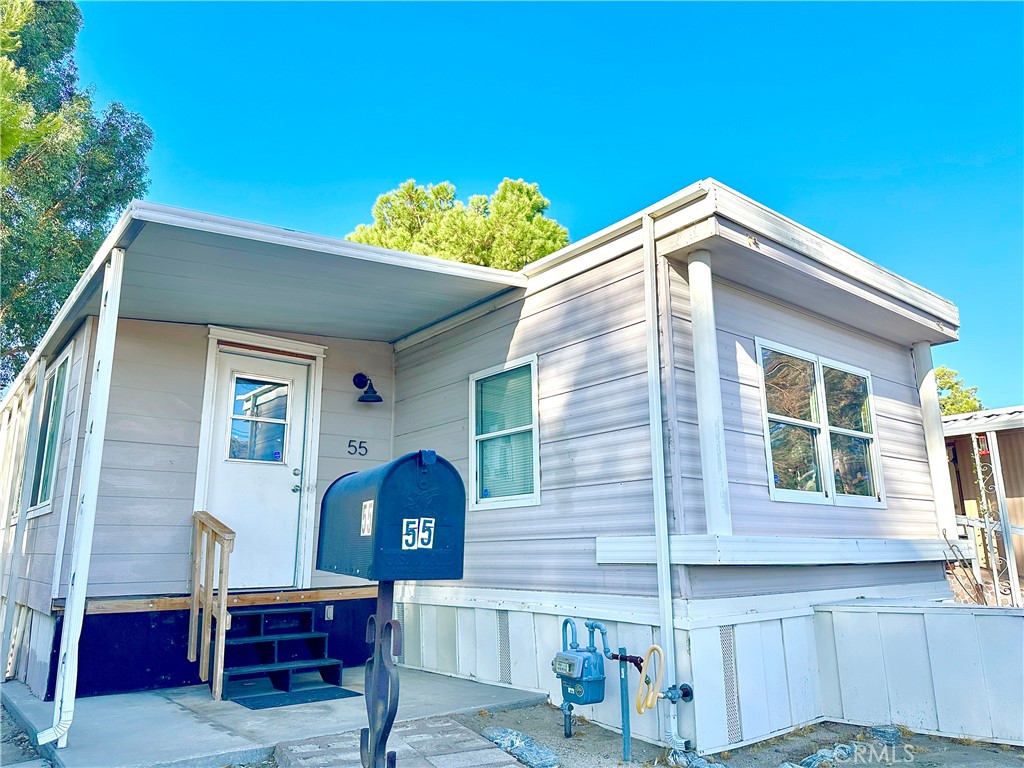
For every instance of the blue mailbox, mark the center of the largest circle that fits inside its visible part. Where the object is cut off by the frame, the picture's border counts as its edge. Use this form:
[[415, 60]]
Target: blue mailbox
[[399, 521]]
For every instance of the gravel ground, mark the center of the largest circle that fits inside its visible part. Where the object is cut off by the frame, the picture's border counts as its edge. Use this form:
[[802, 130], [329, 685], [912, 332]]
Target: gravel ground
[[15, 745], [591, 746]]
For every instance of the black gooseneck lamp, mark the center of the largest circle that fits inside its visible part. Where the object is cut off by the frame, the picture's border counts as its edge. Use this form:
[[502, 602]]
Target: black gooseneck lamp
[[363, 382]]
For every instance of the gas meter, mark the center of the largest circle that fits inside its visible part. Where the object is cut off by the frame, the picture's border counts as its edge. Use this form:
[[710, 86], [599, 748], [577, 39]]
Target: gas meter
[[581, 671]]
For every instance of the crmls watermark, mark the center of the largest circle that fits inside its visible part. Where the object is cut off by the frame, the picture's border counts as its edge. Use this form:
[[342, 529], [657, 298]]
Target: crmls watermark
[[876, 754]]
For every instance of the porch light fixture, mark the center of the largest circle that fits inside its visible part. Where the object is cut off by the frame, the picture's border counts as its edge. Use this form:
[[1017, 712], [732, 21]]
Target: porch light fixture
[[362, 381]]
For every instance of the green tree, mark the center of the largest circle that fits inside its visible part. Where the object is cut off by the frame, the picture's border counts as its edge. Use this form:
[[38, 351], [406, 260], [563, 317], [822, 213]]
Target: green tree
[[506, 230], [64, 185], [954, 397]]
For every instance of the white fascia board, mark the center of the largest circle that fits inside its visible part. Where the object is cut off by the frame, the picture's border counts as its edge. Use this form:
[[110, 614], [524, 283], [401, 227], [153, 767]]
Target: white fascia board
[[680, 199], [752, 214], [770, 550], [222, 225], [642, 609]]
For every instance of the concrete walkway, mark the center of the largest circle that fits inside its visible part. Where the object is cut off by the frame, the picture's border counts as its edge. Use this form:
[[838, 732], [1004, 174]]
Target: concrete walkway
[[434, 743], [185, 728]]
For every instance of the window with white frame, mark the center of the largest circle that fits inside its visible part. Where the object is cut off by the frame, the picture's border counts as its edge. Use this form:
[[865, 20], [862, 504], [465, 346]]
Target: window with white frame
[[820, 429], [52, 418], [503, 459]]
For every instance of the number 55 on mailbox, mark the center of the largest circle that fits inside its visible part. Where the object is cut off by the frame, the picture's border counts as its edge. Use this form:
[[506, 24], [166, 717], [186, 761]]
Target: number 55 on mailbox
[[402, 520]]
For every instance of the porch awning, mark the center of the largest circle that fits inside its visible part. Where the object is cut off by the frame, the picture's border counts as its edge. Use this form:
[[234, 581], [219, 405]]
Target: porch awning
[[188, 267]]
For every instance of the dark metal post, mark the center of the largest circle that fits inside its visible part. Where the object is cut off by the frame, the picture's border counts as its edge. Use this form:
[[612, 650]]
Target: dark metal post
[[627, 739], [381, 681]]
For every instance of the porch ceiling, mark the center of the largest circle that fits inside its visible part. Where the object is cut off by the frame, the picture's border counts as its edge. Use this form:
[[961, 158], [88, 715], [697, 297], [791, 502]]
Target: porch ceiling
[[185, 267]]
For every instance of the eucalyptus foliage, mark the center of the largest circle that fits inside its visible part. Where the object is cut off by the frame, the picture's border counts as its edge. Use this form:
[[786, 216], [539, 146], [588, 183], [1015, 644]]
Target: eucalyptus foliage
[[506, 230], [67, 172]]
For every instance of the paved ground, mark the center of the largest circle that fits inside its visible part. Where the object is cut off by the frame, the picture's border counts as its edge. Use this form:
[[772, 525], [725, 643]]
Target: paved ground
[[185, 728], [433, 743], [452, 742]]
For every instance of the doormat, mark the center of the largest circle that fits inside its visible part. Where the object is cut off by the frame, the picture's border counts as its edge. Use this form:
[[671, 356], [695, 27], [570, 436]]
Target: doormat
[[309, 696]]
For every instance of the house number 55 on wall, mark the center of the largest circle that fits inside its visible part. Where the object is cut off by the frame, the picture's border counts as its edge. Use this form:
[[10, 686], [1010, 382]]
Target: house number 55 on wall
[[357, 448], [418, 533]]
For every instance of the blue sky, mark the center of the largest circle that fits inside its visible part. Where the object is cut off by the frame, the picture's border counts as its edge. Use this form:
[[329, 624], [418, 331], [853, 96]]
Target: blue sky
[[895, 129]]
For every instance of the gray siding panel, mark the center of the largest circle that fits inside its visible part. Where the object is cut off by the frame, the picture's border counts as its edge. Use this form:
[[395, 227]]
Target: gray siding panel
[[742, 315], [42, 532], [595, 466], [737, 581], [143, 526]]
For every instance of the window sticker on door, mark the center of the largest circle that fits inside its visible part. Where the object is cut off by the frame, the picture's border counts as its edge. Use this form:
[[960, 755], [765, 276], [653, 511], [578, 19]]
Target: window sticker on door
[[366, 524]]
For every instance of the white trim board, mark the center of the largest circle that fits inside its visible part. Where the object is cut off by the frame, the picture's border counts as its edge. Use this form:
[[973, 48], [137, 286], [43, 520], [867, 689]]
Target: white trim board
[[643, 610], [708, 549]]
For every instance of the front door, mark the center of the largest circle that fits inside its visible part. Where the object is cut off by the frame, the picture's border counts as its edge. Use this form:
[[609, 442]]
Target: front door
[[257, 465]]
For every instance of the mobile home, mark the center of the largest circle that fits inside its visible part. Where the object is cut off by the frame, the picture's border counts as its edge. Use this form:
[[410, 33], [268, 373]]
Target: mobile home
[[693, 425]]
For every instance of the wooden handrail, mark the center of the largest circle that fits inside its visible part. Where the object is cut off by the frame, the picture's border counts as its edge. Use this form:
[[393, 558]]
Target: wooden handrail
[[209, 534]]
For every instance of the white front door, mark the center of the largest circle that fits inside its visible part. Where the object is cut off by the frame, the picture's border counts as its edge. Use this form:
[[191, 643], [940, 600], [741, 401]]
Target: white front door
[[257, 466]]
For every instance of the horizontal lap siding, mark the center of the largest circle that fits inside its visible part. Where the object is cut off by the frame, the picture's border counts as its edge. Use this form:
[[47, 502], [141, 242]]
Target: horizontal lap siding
[[142, 539], [714, 581], [910, 509], [342, 418], [588, 333], [143, 527], [42, 532]]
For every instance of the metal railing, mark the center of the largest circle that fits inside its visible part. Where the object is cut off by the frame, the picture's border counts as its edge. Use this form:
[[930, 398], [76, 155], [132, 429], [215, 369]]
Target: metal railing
[[212, 542]]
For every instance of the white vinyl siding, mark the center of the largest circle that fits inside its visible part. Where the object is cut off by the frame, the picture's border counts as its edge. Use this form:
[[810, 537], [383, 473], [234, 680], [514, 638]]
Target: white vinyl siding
[[595, 472], [504, 458], [819, 429]]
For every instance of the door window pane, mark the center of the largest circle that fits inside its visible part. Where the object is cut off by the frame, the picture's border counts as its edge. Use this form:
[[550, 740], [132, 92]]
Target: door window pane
[[263, 399], [506, 465], [789, 385], [256, 441], [851, 463], [504, 401], [846, 397], [794, 457]]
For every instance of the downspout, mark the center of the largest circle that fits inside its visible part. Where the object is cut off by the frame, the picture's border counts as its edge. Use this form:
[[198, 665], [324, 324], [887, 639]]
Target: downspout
[[666, 616], [88, 494]]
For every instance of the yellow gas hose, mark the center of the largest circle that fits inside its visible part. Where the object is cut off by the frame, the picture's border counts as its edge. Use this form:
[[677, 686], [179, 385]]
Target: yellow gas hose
[[648, 692]]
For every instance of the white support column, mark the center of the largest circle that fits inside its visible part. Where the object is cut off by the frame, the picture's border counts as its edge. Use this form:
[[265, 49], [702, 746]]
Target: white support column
[[711, 423], [88, 492], [1004, 517], [28, 480], [935, 442]]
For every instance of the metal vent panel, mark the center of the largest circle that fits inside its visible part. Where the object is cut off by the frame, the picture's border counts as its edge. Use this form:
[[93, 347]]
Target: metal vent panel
[[400, 616], [732, 703], [504, 649]]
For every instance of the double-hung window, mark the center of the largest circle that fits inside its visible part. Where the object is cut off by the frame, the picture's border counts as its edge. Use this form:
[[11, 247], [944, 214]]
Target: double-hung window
[[503, 461], [820, 429], [52, 417]]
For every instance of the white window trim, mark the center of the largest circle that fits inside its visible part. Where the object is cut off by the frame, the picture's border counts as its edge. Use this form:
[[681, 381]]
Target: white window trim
[[828, 495], [504, 502], [45, 507]]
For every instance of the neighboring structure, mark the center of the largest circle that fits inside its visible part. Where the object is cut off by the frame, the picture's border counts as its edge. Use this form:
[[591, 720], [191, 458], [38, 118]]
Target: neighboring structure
[[986, 467], [206, 363]]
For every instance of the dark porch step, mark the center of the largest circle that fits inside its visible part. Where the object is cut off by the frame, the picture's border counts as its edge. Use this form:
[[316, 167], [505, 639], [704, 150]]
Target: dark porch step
[[307, 665], [280, 673], [248, 639], [271, 611]]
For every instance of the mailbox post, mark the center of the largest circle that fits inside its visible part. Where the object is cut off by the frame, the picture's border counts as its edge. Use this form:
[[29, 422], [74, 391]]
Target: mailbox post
[[404, 520]]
